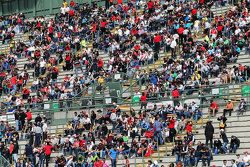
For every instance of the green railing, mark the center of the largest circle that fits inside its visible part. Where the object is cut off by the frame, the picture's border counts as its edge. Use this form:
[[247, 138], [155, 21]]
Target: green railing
[[4, 162], [103, 102]]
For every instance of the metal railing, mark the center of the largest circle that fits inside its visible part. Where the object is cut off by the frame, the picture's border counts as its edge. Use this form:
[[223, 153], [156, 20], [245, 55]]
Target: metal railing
[[4, 162]]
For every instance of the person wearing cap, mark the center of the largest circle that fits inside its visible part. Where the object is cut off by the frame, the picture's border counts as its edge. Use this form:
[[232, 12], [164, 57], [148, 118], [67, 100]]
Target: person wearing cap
[[229, 108]]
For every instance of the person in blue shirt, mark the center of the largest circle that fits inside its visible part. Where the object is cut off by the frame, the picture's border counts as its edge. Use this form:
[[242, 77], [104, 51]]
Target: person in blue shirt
[[157, 130], [113, 153]]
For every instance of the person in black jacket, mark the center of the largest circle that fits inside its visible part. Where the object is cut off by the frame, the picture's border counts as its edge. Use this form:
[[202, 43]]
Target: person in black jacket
[[22, 117], [29, 153], [15, 150], [38, 118], [217, 146], [209, 133], [234, 144]]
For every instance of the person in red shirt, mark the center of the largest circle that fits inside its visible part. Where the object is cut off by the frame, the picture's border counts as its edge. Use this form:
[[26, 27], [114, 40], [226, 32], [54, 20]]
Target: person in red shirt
[[213, 107], [180, 31], [172, 131], [47, 151], [71, 13], [189, 127], [103, 25], [143, 100], [98, 163], [100, 64], [119, 1], [28, 115], [72, 3], [150, 5], [26, 93], [194, 14], [175, 96], [157, 42], [175, 93], [14, 82], [220, 29]]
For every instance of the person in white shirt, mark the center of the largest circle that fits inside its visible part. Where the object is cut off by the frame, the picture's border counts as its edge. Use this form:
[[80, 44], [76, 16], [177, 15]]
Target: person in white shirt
[[173, 46], [45, 129], [224, 163], [246, 158], [233, 163]]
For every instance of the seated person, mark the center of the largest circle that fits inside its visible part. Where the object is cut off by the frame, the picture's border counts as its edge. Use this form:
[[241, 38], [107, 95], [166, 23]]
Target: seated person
[[229, 108], [213, 107], [217, 146], [234, 144], [242, 107]]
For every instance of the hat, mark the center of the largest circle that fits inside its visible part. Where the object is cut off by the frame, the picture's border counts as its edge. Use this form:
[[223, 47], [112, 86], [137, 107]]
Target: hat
[[229, 100]]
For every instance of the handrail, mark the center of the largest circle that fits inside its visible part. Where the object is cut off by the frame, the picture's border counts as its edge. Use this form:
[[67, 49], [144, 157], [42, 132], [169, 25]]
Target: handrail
[[225, 86], [152, 100], [4, 162]]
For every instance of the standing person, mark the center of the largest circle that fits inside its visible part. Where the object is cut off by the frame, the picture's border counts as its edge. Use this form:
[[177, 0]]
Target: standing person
[[45, 130], [113, 154], [22, 117], [47, 151], [209, 133], [172, 131], [14, 151], [16, 115], [29, 153], [38, 134], [143, 100], [175, 96], [28, 115], [157, 130]]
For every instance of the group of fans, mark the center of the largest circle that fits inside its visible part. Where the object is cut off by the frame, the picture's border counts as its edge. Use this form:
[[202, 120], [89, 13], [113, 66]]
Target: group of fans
[[133, 35]]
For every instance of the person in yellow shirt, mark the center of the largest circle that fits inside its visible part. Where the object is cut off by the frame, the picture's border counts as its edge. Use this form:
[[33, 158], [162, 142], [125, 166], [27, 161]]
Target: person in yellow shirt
[[229, 108], [65, 4]]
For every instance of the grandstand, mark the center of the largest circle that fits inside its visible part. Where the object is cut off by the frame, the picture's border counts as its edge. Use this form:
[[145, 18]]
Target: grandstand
[[118, 90]]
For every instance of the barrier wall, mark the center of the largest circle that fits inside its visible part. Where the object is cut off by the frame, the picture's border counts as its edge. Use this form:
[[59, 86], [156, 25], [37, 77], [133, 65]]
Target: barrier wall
[[33, 7]]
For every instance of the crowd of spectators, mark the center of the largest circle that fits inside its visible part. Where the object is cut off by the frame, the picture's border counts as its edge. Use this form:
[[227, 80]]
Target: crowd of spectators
[[133, 35]]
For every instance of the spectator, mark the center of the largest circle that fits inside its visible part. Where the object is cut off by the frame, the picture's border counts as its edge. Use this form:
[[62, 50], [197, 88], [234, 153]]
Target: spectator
[[113, 153], [213, 107], [47, 151], [209, 133], [229, 108], [234, 144], [225, 141]]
